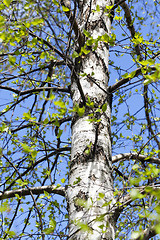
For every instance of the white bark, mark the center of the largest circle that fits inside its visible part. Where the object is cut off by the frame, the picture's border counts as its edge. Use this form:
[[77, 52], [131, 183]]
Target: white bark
[[93, 169]]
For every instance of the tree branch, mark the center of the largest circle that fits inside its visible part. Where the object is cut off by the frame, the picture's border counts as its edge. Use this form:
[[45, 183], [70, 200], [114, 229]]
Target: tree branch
[[125, 201], [30, 124], [149, 123], [72, 20], [136, 156], [123, 81], [46, 43], [131, 28], [35, 190], [55, 151], [127, 14], [23, 74], [34, 90]]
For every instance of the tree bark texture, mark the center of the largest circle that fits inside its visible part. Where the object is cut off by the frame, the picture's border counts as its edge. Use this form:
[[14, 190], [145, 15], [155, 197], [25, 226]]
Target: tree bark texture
[[90, 189]]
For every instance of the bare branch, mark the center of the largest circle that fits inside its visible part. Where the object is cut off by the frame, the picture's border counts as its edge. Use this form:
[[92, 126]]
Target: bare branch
[[46, 43], [148, 141], [35, 90], [30, 124], [24, 74], [35, 190], [54, 152], [73, 22], [131, 28], [48, 66], [117, 3], [136, 156], [149, 123], [123, 81], [126, 200], [129, 21]]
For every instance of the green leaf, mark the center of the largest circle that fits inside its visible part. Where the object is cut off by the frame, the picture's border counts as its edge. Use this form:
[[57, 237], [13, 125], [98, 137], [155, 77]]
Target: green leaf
[[9, 152], [147, 81], [84, 50], [27, 116], [86, 33], [7, 2], [63, 180], [45, 121], [65, 9], [43, 55], [48, 230], [2, 20], [11, 233], [4, 127], [132, 74], [157, 228], [83, 226], [75, 55], [147, 62], [1, 152], [59, 133], [97, 8], [77, 181], [55, 2], [37, 21], [33, 153], [105, 38], [81, 111], [11, 59], [51, 96], [26, 148], [18, 197], [89, 103], [56, 123], [52, 223], [104, 107], [46, 194], [109, 7], [60, 103], [21, 183], [118, 18], [4, 207], [101, 195], [136, 194], [52, 226]]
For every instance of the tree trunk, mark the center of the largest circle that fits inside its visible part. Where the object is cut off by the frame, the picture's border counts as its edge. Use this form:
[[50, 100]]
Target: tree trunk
[[90, 189]]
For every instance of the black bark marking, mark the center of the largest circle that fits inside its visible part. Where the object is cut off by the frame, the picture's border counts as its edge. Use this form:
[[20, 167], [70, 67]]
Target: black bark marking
[[79, 200]]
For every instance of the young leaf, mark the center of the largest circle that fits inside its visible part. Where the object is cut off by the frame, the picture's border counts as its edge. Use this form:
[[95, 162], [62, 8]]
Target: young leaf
[[7, 2], [65, 9], [81, 111], [26, 148], [63, 180], [75, 54], [11, 59], [104, 107]]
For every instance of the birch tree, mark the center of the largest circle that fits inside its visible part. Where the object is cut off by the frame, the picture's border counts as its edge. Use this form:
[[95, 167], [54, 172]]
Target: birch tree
[[79, 112]]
